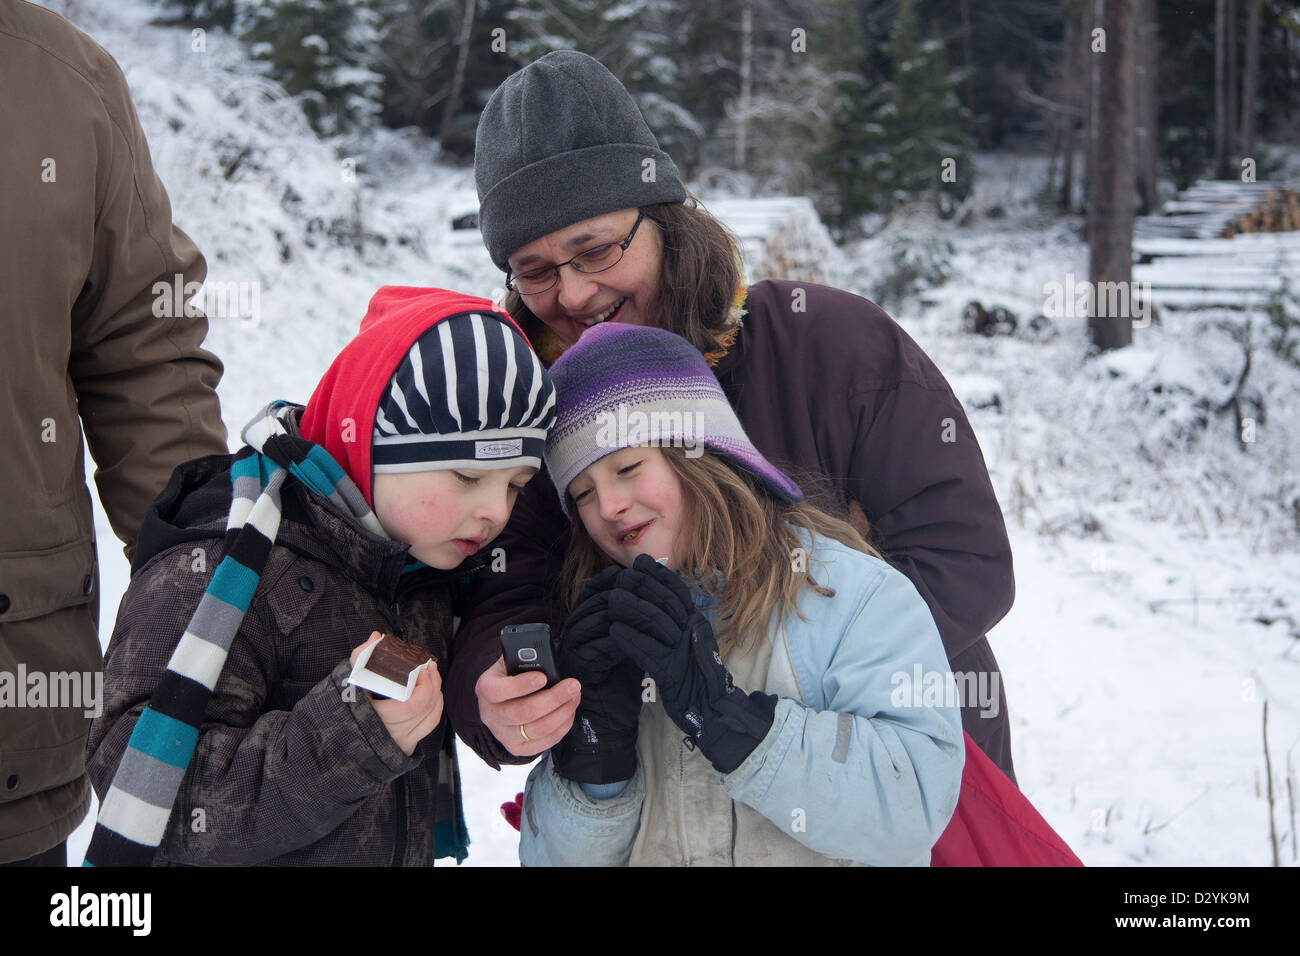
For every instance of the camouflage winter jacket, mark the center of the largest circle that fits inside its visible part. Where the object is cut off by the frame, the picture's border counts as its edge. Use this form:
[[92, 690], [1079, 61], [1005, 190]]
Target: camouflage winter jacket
[[292, 766]]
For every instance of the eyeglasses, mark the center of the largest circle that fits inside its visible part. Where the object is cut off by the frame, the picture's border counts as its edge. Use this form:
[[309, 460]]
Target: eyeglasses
[[597, 259]]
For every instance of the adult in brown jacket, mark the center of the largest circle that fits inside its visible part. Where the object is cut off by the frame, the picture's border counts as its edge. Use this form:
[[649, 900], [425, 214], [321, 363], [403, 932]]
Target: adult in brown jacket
[[823, 381], [85, 232]]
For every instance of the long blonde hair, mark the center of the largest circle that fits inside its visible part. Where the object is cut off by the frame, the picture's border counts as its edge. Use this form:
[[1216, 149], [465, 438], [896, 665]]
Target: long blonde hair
[[733, 525]]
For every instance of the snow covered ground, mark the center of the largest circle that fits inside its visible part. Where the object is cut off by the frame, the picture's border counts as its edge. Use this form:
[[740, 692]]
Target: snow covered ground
[[1156, 562]]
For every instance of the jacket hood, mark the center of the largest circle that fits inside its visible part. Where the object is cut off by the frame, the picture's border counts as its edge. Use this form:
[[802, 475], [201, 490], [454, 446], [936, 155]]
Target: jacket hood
[[340, 415], [194, 506]]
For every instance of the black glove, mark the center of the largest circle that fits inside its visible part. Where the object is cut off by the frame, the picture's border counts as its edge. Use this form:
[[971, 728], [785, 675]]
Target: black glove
[[656, 623], [601, 745]]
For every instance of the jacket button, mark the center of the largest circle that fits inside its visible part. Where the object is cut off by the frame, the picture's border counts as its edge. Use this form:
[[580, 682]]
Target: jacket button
[[4, 603], [88, 585], [306, 583], [12, 782]]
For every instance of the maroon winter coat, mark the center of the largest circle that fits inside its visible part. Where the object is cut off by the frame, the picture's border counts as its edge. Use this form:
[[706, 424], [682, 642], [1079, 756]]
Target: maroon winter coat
[[838, 388]]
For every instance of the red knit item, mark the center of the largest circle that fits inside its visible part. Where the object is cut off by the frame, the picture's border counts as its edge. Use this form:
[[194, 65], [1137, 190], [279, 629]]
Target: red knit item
[[514, 810], [340, 416]]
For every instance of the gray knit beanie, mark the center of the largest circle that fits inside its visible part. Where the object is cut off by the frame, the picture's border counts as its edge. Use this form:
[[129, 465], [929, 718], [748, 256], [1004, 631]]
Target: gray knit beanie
[[561, 141]]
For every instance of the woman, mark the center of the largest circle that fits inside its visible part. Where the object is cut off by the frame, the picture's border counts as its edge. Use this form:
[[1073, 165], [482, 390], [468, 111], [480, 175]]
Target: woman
[[590, 222]]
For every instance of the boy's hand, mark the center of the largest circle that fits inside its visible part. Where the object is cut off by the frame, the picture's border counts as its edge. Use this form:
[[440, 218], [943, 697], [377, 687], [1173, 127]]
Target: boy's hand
[[506, 703], [409, 721]]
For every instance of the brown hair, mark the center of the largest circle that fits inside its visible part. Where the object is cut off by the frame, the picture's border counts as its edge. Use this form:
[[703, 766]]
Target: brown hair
[[698, 274], [738, 528]]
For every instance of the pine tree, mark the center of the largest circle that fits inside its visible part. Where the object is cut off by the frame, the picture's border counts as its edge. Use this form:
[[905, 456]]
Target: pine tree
[[322, 51], [640, 41], [418, 47], [923, 124], [856, 142], [903, 140]]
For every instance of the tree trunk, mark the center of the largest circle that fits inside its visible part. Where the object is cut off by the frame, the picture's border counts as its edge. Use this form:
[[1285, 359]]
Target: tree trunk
[[1230, 90], [1220, 89], [1110, 199], [746, 81], [968, 56], [1250, 82], [458, 81], [1148, 105], [1073, 101], [1098, 63]]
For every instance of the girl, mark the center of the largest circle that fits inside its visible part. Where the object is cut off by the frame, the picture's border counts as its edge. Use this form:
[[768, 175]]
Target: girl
[[778, 725], [231, 735], [822, 380]]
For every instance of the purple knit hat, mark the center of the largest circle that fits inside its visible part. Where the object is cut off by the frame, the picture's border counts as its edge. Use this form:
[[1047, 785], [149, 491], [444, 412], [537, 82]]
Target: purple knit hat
[[624, 385]]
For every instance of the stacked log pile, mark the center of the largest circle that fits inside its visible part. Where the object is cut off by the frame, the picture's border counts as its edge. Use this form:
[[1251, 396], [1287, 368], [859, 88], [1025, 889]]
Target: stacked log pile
[[1221, 244], [1278, 211], [1208, 209]]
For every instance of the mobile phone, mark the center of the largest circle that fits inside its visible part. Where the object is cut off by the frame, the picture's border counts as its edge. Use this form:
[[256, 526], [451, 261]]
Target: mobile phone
[[527, 647]]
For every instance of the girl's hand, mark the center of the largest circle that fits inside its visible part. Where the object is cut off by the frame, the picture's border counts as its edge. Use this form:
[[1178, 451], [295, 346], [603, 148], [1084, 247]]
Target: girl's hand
[[601, 746], [650, 622], [409, 721], [584, 649]]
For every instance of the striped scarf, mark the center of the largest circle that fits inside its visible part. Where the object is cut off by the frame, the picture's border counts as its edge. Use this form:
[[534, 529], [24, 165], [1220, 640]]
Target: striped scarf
[[133, 816]]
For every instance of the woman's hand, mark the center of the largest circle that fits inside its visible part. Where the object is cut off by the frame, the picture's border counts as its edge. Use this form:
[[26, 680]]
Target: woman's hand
[[409, 721], [525, 718], [521, 715]]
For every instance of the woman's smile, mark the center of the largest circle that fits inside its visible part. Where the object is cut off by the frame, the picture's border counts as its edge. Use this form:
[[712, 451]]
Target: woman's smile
[[627, 292], [609, 314]]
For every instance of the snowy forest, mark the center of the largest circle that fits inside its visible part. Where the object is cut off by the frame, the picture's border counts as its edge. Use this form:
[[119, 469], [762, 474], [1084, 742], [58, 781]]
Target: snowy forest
[[844, 101], [1086, 212]]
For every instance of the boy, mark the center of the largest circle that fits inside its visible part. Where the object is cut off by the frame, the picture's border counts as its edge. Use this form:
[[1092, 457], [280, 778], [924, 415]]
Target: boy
[[241, 741]]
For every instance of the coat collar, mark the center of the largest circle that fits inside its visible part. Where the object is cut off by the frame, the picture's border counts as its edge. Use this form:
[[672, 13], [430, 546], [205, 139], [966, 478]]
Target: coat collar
[[313, 528]]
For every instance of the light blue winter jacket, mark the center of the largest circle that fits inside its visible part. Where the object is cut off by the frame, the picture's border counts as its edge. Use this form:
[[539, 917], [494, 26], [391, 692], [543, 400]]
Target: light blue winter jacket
[[868, 764]]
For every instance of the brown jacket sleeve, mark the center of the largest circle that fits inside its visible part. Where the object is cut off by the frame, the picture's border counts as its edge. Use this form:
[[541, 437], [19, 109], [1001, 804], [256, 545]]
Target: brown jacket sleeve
[[146, 389]]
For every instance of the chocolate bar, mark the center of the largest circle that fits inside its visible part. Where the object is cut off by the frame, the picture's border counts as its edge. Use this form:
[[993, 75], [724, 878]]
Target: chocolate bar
[[390, 667], [394, 659]]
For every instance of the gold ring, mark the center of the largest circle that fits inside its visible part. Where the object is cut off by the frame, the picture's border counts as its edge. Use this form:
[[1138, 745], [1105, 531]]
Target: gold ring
[[524, 734]]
